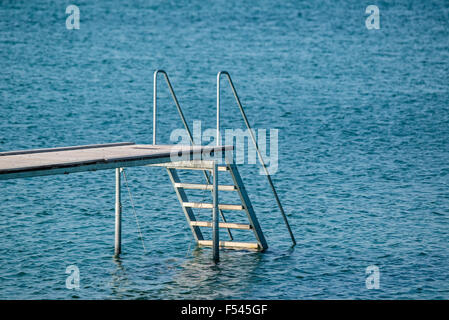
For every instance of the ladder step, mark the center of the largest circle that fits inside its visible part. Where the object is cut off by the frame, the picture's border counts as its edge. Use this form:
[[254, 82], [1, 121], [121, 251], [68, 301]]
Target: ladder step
[[231, 244], [191, 165], [205, 186], [201, 205], [187, 165], [221, 225]]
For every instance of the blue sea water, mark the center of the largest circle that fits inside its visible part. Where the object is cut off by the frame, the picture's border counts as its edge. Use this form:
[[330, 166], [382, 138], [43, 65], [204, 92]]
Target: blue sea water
[[363, 120]]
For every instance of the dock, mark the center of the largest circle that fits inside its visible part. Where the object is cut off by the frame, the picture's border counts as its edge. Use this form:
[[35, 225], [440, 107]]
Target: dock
[[120, 155], [65, 160]]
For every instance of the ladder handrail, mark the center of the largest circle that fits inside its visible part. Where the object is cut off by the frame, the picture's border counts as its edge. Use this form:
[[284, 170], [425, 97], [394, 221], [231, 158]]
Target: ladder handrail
[[178, 107], [181, 114], [245, 119]]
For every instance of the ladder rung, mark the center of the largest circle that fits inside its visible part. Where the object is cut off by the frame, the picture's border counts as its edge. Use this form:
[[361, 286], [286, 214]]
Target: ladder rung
[[201, 205], [187, 165], [191, 165], [232, 244], [227, 225], [205, 186]]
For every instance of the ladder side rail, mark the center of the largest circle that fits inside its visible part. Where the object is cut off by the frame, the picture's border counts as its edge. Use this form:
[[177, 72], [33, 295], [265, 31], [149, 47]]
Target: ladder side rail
[[248, 206], [188, 212]]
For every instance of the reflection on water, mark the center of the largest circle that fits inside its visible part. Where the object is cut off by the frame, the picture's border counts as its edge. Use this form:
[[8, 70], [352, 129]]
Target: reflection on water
[[195, 276], [199, 278], [119, 280]]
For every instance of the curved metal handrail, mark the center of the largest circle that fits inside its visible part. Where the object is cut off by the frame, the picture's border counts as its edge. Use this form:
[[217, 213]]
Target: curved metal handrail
[[245, 119], [181, 114]]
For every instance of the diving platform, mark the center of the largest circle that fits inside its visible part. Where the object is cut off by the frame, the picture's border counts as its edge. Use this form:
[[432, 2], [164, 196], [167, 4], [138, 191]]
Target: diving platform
[[65, 160], [173, 158]]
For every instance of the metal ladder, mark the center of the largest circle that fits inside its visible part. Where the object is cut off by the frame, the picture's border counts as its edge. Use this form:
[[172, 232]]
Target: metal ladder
[[237, 186], [210, 169]]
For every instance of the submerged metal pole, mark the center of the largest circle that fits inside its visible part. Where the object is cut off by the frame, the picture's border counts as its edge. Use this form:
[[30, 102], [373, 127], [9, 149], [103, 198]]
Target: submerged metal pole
[[118, 214], [215, 222]]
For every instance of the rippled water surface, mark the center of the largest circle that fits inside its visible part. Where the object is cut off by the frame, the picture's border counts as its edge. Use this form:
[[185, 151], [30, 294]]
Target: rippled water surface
[[363, 121]]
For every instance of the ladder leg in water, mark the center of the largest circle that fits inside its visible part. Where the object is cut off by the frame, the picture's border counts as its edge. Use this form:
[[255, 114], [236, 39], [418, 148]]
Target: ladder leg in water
[[215, 228], [118, 215]]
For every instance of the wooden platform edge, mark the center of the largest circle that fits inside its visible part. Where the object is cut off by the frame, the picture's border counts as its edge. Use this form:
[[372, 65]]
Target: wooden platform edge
[[82, 147], [101, 163]]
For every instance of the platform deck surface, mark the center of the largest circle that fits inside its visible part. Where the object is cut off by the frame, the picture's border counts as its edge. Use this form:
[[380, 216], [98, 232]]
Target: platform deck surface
[[40, 162]]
